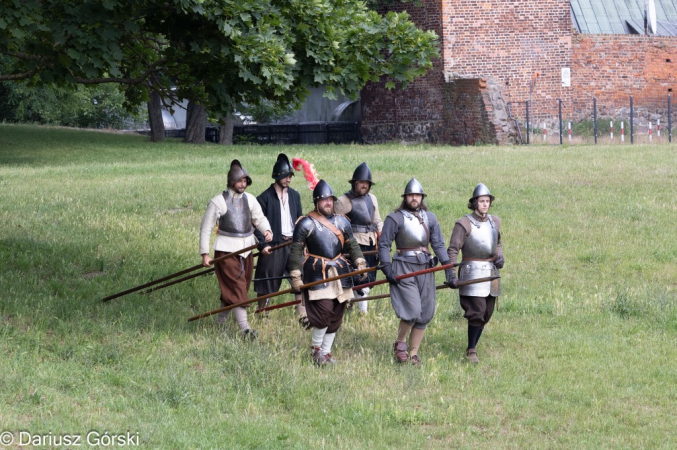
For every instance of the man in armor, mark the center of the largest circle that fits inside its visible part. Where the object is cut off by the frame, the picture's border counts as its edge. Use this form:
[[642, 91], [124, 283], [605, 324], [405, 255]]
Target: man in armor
[[414, 229], [326, 236], [282, 207], [478, 237], [361, 208], [237, 213]]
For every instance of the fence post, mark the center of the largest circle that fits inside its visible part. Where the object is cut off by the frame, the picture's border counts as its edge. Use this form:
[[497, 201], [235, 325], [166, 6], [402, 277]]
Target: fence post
[[594, 117], [669, 120], [632, 121], [560, 121], [527, 107]]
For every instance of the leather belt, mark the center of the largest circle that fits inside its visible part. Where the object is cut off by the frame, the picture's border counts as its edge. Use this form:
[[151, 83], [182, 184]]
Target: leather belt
[[363, 228], [415, 251]]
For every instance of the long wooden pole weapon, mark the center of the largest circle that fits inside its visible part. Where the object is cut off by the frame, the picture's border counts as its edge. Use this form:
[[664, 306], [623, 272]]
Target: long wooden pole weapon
[[438, 287], [377, 297], [206, 271], [373, 283], [174, 275], [286, 291]]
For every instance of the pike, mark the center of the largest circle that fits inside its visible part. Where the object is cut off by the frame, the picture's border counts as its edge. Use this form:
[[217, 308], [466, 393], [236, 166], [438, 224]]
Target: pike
[[174, 275], [286, 291], [210, 270], [438, 287], [378, 297], [373, 283], [283, 277]]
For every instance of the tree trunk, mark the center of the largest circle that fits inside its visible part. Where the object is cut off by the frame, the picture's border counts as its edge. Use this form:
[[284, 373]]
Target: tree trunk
[[226, 132], [196, 123], [157, 125]]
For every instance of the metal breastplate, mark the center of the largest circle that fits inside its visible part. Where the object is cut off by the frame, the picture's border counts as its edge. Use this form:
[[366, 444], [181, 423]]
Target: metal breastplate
[[483, 239], [412, 234], [322, 241], [237, 221], [324, 251], [362, 213], [481, 244]]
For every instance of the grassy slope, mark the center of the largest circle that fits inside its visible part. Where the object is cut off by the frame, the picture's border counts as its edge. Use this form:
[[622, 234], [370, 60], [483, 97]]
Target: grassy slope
[[580, 355]]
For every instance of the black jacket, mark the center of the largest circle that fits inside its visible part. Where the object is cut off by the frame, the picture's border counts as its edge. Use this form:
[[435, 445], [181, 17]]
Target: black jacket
[[270, 204]]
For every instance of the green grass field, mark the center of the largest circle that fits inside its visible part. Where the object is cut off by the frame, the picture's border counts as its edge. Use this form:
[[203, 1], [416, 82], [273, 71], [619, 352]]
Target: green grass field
[[580, 355]]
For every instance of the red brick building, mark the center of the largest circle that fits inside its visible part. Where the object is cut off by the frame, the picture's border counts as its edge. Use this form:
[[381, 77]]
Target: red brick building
[[491, 50]]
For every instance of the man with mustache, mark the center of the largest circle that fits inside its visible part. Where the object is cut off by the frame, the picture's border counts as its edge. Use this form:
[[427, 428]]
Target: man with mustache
[[325, 236], [414, 229]]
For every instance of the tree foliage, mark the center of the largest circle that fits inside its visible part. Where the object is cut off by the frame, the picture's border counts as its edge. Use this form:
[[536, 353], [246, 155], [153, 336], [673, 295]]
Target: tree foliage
[[99, 106], [217, 53]]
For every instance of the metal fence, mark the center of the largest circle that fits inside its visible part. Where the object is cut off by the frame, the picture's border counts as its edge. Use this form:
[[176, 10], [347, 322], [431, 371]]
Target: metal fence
[[299, 133], [629, 121]]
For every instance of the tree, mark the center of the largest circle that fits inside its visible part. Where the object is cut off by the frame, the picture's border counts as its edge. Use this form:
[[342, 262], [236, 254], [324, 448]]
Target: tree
[[216, 53], [157, 123]]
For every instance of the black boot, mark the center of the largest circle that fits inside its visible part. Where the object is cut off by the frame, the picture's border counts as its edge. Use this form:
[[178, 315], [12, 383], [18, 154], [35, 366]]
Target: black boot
[[477, 339], [473, 335]]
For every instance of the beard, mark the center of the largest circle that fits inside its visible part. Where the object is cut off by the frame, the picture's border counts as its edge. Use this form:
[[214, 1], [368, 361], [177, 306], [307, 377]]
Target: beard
[[413, 205], [361, 192], [326, 210], [282, 185]]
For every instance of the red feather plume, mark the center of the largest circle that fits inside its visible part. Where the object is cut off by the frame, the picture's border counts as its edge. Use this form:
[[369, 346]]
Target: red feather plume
[[309, 171]]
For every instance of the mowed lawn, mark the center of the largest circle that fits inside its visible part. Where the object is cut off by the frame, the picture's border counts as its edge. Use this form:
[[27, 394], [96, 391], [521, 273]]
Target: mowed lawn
[[581, 354]]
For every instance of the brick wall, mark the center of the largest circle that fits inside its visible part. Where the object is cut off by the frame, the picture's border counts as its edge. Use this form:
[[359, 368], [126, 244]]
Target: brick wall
[[509, 41], [506, 43], [613, 67], [414, 113]]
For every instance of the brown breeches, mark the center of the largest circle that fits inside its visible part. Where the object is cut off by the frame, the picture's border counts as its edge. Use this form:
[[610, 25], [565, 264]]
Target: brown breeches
[[325, 313], [235, 276], [478, 310]]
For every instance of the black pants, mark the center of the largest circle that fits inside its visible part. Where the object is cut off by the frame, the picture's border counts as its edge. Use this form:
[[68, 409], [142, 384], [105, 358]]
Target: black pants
[[478, 310], [325, 313]]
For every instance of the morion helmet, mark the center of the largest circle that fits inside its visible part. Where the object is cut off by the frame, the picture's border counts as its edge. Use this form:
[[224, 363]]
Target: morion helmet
[[414, 187], [236, 172], [479, 191], [362, 173], [322, 190], [282, 167]]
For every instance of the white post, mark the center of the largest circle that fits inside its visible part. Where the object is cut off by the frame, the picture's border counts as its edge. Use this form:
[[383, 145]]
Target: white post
[[622, 133], [544, 137], [650, 132], [611, 128], [658, 127], [569, 131]]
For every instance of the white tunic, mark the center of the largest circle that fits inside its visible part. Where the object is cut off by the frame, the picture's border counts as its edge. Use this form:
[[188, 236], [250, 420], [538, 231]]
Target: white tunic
[[215, 209]]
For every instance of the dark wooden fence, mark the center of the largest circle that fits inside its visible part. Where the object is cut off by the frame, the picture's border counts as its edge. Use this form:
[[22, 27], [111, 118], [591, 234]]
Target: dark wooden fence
[[296, 133]]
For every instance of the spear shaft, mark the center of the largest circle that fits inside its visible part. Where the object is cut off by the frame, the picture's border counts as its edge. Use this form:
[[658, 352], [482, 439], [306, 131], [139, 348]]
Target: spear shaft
[[438, 287], [377, 297], [207, 271], [286, 291], [373, 283]]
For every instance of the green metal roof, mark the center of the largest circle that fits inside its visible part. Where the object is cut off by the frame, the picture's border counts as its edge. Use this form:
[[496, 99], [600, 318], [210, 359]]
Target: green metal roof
[[622, 16]]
